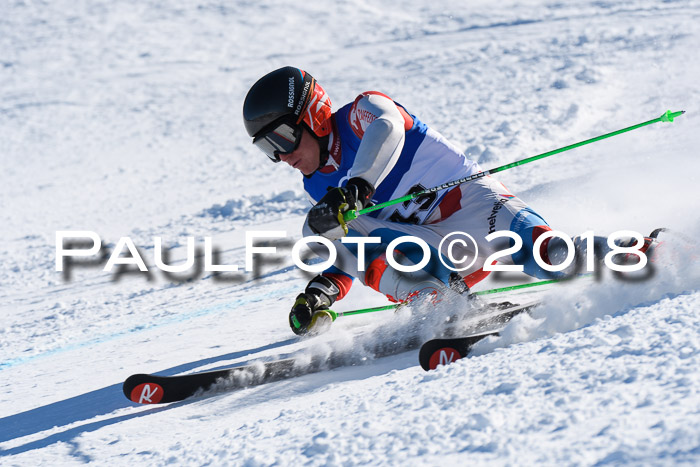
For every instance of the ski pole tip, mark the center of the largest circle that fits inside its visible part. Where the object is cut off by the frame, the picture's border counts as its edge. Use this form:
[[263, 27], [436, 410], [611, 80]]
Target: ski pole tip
[[669, 116]]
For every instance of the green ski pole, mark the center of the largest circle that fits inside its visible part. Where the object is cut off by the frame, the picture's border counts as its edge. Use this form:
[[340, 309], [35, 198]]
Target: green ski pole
[[666, 117], [336, 314], [527, 285]]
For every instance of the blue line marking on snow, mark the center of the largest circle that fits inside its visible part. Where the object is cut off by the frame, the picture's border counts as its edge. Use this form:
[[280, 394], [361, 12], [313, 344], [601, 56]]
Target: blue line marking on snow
[[140, 328]]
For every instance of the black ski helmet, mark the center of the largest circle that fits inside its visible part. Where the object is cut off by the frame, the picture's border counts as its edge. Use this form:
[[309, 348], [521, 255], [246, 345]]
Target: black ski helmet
[[287, 93]]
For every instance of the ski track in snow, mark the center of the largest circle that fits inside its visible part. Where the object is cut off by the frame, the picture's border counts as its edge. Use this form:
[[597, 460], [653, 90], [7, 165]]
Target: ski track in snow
[[124, 118]]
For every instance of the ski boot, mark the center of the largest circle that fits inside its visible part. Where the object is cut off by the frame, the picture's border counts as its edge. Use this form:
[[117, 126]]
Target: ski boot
[[648, 248]]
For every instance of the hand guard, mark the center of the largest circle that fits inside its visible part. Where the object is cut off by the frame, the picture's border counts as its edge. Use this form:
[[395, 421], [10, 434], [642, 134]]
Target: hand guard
[[326, 217], [300, 316], [319, 295]]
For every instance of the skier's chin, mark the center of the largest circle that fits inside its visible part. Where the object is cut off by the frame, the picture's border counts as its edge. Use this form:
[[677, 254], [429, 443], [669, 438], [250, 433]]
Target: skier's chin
[[306, 171]]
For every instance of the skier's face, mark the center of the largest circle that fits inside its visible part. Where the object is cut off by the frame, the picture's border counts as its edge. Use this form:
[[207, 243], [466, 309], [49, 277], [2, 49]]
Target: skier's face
[[306, 157]]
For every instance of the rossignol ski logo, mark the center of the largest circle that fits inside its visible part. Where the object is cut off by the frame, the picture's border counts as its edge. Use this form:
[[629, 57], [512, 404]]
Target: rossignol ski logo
[[290, 96], [444, 356], [445, 359], [147, 393]]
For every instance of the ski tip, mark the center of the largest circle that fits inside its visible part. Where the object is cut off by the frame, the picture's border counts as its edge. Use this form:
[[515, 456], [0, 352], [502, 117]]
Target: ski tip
[[656, 232], [435, 353], [147, 393], [443, 356], [138, 389]]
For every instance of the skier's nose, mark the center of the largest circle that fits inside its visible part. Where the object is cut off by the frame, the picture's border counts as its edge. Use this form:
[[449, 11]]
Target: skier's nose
[[286, 158]]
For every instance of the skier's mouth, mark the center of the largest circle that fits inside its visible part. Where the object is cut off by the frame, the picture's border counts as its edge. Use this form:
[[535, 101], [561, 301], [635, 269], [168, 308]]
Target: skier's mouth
[[296, 164]]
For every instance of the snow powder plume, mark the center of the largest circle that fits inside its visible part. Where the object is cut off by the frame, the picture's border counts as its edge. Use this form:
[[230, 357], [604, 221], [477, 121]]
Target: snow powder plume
[[676, 271]]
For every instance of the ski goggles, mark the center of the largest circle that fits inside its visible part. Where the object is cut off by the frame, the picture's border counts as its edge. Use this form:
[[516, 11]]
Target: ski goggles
[[282, 139]]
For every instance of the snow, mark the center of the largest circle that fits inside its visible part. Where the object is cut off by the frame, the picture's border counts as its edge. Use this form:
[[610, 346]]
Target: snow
[[123, 118]]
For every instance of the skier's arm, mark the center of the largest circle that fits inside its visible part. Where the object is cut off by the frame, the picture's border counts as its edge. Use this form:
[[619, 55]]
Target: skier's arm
[[382, 126]]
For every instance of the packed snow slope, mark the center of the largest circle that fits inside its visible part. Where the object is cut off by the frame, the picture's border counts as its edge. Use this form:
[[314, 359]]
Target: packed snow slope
[[124, 118]]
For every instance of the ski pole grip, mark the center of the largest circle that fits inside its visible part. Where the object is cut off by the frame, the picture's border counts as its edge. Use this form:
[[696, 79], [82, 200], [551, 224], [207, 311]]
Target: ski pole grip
[[350, 215]]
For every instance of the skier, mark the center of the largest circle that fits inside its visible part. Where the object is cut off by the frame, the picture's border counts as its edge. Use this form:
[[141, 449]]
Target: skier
[[370, 151]]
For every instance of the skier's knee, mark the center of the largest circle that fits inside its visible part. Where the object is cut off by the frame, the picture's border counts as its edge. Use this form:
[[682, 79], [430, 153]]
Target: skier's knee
[[398, 285], [555, 251], [548, 252]]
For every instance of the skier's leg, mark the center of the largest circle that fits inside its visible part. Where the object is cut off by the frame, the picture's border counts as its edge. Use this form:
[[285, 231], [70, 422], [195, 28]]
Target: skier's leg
[[434, 279], [486, 207], [376, 272]]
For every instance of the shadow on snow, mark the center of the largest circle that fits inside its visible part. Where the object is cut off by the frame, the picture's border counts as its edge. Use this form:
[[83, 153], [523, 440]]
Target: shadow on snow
[[90, 405]]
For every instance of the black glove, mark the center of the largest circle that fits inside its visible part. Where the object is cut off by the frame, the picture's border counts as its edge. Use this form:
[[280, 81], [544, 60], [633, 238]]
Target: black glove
[[326, 217], [319, 295]]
